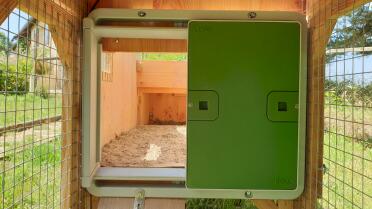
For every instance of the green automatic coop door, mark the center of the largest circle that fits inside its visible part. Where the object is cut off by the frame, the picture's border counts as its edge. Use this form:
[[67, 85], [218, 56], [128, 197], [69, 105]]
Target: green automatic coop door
[[244, 130]]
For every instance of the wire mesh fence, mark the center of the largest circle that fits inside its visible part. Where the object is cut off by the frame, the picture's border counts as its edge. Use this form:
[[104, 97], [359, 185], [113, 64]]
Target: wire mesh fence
[[347, 145], [39, 84]]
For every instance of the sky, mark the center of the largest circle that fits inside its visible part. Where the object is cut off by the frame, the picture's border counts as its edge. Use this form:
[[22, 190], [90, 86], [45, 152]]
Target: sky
[[346, 65], [16, 20]]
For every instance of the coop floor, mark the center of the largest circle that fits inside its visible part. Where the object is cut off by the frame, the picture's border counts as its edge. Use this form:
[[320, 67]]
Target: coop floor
[[147, 146]]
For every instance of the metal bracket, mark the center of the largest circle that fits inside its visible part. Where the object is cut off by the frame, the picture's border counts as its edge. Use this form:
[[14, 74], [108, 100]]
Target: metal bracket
[[139, 199]]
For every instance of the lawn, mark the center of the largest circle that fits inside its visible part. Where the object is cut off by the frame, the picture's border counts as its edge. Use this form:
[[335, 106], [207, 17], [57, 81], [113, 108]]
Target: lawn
[[347, 182], [22, 108], [31, 177], [30, 160], [348, 179]]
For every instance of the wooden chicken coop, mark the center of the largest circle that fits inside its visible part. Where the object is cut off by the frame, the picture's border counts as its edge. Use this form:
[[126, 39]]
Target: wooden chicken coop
[[136, 105]]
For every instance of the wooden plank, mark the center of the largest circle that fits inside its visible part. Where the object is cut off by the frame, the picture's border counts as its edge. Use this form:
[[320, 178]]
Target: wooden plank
[[285, 204], [143, 108], [162, 74], [115, 203], [144, 45], [119, 98], [265, 204], [154, 90], [150, 203], [167, 109], [135, 4], [6, 7], [285, 5]]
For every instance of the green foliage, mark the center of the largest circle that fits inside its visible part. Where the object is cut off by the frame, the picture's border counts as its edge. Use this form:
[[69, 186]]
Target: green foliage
[[42, 92], [219, 204], [352, 30], [164, 56], [348, 92], [14, 78], [4, 44], [41, 68], [23, 45]]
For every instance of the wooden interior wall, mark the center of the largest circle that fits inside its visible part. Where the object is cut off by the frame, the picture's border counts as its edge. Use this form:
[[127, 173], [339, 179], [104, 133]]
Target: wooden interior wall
[[119, 97], [162, 74], [162, 91], [167, 109], [144, 45]]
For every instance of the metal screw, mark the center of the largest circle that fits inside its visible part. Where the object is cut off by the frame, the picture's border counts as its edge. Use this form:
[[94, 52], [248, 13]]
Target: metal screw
[[252, 15], [248, 194], [141, 14]]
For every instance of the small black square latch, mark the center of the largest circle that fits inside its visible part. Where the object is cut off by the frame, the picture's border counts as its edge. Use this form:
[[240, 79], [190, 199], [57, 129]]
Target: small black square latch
[[203, 105], [282, 106]]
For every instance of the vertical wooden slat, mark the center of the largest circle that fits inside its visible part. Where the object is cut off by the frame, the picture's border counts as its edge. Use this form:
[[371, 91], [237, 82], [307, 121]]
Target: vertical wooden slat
[[64, 21], [285, 204]]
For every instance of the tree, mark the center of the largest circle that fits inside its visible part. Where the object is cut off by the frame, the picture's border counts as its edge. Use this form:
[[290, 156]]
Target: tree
[[352, 30], [4, 44]]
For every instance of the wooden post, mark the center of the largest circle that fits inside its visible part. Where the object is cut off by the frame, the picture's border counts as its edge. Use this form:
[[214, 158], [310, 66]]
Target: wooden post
[[64, 21]]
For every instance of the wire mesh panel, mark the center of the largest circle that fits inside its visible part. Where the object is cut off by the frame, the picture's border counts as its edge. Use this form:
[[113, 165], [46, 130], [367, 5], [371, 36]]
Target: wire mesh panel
[[39, 103], [347, 148]]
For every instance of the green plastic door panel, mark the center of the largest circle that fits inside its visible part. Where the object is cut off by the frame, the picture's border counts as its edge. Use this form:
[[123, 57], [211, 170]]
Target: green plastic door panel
[[282, 106], [203, 105], [253, 141]]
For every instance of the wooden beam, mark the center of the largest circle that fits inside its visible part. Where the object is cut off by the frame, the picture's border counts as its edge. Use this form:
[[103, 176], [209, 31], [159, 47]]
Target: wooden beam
[[45, 10], [268, 5], [341, 7], [6, 7], [144, 45]]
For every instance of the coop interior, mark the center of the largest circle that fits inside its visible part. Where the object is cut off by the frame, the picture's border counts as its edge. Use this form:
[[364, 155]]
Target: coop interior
[[143, 110]]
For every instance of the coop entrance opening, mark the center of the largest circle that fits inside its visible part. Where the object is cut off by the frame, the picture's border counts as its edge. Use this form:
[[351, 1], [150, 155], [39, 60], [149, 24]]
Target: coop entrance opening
[[143, 110]]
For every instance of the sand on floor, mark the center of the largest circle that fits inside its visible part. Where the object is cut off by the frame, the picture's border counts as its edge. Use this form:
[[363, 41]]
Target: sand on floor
[[147, 146]]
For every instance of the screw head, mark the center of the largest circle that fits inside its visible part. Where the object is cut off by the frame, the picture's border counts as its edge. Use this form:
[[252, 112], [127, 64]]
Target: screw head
[[248, 194], [252, 15], [141, 14]]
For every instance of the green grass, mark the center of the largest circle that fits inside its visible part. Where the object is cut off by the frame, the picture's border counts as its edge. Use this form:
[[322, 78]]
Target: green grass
[[31, 177], [348, 180], [219, 204], [28, 107]]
